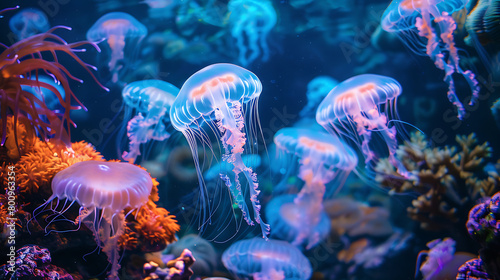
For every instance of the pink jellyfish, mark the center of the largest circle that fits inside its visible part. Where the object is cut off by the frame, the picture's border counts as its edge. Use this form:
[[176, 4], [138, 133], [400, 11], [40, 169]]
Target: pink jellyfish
[[323, 159], [115, 28], [435, 25], [103, 190], [220, 95], [359, 106]]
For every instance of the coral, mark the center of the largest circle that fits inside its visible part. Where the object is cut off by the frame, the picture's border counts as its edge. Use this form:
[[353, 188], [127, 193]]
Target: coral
[[447, 178], [354, 218], [33, 262], [150, 228], [23, 61], [473, 270], [19, 138], [206, 256], [362, 256], [177, 269], [484, 227]]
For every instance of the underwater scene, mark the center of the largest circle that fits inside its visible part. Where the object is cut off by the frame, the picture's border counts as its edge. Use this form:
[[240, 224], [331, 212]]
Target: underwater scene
[[250, 139]]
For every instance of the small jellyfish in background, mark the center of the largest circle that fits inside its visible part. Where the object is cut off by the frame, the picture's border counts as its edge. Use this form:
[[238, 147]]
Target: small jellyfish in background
[[435, 38], [222, 168], [323, 159], [266, 259], [223, 96], [151, 100], [359, 106], [250, 22], [290, 221], [103, 190], [29, 22], [119, 30], [317, 89]]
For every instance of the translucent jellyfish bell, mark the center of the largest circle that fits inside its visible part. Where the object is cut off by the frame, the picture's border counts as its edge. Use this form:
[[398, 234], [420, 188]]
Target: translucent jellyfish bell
[[117, 29], [224, 97], [28, 22], [250, 22], [103, 190], [151, 100], [266, 259], [435, 26], [323, 159], [317, 89], [359, 106]]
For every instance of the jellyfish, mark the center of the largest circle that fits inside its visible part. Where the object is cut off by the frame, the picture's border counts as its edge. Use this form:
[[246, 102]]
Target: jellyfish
[[151, 99], [359, 106], [266, 259], [317, 89], [435, 29], [250, 22], [224, 96], [290, 221], [103, 190], [323, 159], [29, 22], [116, 28], [252, 161]]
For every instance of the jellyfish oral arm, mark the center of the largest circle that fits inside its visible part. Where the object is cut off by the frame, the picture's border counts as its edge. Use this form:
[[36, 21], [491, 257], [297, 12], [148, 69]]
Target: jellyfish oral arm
[[230, 122], [117, 44], [447, 27]]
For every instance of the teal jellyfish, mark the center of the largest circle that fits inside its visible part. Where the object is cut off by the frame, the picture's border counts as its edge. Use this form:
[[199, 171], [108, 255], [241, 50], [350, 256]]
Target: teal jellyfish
[[47, 96], [435, 26], [266, 259], [116, 28], [151, 100], [28, 22], [359, 106], [317, 89], [223, 96], [323, 159], [250, 22]]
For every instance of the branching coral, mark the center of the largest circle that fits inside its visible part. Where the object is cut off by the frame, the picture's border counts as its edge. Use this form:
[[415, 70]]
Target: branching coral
[[447, 178], [150, 228], [23, 61]]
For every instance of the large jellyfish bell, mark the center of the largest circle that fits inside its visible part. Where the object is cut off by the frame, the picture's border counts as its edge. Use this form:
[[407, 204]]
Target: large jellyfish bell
[[221, 95], [435, 26], [359, 106], [117, 29]]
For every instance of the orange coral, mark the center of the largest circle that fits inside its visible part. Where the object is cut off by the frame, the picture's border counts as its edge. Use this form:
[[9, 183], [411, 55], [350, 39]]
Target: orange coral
[[151, 228], [19, 138]]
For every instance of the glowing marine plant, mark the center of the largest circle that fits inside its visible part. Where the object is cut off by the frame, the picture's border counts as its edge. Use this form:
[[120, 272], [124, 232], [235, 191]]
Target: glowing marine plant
[[24, 59]]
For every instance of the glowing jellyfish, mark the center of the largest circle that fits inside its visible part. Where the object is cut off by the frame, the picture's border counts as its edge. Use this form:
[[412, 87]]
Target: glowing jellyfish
[[435, 25], [222, 168], [223, 96], [290, 221], [151, 99], [103, 190], [266, 259], [116, 28], [323, 159], [250, 22], [29, 22], [359, 106], [317, 89]]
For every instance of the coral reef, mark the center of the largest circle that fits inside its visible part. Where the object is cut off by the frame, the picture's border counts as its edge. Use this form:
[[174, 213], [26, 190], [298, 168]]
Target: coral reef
[[150, 228], [473, 270], [447, 179], [177, 269], [483, 226], [33, 262], [206, 256]]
